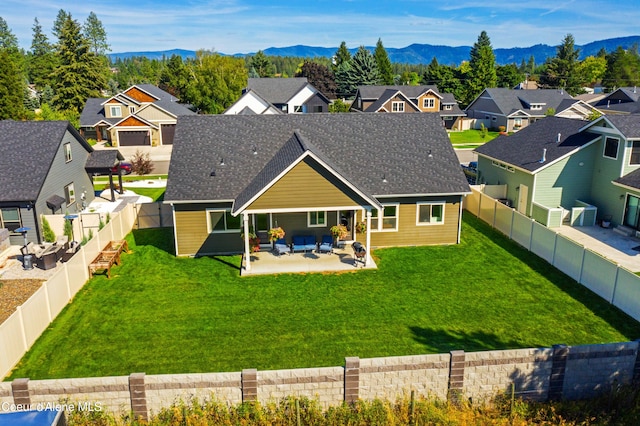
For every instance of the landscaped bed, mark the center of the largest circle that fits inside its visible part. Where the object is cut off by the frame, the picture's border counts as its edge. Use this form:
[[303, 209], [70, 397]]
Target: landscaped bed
[[162, 314]]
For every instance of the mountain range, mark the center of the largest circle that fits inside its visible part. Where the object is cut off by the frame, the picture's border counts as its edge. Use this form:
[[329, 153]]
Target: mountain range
[[418, 53]]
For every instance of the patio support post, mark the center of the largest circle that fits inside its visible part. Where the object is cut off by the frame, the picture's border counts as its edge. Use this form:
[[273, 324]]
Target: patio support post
[[366, 258], [247, 253]]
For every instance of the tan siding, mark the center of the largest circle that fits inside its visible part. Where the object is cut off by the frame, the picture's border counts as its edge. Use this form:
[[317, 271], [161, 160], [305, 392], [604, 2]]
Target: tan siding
[[193, 238], [153, 114], [436, 105], [305, 186], [407, 105], [296, 224], [409, 234]]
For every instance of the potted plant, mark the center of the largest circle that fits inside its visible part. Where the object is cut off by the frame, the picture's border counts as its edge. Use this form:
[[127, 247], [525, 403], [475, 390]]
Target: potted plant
[[275, 234], [338, 232], [361, 227], [254, 240]]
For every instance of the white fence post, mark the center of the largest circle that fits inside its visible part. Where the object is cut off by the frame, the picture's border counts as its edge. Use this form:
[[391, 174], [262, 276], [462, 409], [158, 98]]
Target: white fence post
[[23, 331], [48, 302]]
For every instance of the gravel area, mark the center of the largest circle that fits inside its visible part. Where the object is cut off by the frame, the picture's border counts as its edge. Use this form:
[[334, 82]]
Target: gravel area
[[14, 293]]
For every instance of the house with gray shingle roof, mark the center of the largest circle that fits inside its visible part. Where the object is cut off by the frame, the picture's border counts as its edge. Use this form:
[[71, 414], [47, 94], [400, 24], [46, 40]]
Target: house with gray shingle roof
[[141, 115], [625, 100], [44, 169], [401, 99], [280, 96], [516, 109], [398, 173], [560, 169]]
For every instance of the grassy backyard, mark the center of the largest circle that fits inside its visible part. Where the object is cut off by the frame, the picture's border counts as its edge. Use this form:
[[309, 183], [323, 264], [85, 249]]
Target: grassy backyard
[[471, 138], [162, 314]]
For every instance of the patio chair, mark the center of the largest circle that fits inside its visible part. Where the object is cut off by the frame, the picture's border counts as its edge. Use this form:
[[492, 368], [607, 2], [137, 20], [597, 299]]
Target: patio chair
[[326, 244], [281, 247]]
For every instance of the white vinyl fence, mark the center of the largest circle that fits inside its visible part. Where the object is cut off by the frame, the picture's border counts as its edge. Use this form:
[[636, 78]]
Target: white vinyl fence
[[607, 279], [24, 326]]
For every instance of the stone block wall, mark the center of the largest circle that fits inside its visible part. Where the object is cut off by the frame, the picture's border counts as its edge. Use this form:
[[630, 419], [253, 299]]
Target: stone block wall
[[488, 373], [593, 369], [166, 389], [395, 377], [326, 385], [561, 372]]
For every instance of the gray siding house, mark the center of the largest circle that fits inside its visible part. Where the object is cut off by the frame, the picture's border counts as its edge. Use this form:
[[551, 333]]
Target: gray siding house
[[42, 171]]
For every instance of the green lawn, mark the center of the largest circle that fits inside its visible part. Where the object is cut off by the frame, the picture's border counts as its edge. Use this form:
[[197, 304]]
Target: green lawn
[[162, 314], [470, 138]]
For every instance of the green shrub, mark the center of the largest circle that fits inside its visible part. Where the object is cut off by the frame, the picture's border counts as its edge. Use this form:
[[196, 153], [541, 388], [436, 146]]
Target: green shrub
[[47, 233], [68, 230]]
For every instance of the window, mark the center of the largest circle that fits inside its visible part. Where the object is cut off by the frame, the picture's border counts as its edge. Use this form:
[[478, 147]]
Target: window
[[316, 219], [517, 121], [10, 219], [116, 111], [317, 108], [132, 110], [70, 193], [397, 106], [222, 221], [429, 214], [493, 117], [428, 103], [611, 147], [67, 152], [389, 218], [448, 107], [635, 154], [536, 106]]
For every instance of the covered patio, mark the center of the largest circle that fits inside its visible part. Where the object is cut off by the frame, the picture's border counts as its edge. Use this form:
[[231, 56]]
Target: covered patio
[[269, 262]]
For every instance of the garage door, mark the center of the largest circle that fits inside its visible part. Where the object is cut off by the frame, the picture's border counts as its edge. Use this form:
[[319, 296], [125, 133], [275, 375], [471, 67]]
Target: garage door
[[133, 138], [168, 130]]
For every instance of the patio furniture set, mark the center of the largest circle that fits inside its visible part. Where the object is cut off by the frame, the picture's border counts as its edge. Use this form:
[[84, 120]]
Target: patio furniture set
[[48, 254], [304, 243]]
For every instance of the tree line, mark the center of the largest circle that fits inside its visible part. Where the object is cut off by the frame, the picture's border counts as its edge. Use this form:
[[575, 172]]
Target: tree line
[[52, 80]]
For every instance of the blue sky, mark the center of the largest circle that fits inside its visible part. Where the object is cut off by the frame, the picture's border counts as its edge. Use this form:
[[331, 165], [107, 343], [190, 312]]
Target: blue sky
[[244, 26]]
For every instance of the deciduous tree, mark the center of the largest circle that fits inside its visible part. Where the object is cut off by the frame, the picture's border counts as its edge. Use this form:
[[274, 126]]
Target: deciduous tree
[[320, 77], [623, 68]]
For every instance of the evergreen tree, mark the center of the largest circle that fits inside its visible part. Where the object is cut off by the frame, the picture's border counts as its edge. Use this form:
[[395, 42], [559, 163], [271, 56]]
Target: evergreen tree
[[342, 56], [362, 71], [560, 71], [80, 74], [531, 65], [509, 75], [482, 68], [12, 89], [262, 64], [61, 17], [623, 68], [320, 77], [41, 59], [96, 34], [8, 41], [174, 78], [384, 64]]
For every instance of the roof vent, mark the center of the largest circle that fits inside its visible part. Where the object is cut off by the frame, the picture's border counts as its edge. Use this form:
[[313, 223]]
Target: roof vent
[[213, 172], [384, 178], [255, 150], [430, 154], [558, 138], [634, 89], [221, 161], [544, 155], [608, 102]]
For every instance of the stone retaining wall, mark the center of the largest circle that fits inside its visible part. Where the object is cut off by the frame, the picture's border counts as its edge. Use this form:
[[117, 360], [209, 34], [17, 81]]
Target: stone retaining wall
[[569, 372]]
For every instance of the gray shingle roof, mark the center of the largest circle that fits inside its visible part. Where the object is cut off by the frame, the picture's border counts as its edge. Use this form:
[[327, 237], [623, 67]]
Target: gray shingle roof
[[28, 149], [166, 101], [524, 149], [631, 180], [102, 160], [508, 101], [386, 96], [412, 92], [363, 147], [277, 90], [629, 125], [93, 113]]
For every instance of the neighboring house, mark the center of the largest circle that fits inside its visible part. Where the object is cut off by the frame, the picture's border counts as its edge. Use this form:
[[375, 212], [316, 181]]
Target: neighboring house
[[409, 99], [279, 95], [625, 100], [516, 109], [308, 172], [43, 170], [141, 115], [560, 169], [527, 85]]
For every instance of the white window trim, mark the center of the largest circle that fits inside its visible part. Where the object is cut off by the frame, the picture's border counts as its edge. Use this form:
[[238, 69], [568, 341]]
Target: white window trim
[[429, 103], [318, 225], [210, 229], [380, 218], [70, 193], [448, 107], [429, 203], [604, 148], [67, 153], [397, 106], [630, 154], [113, 108]]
